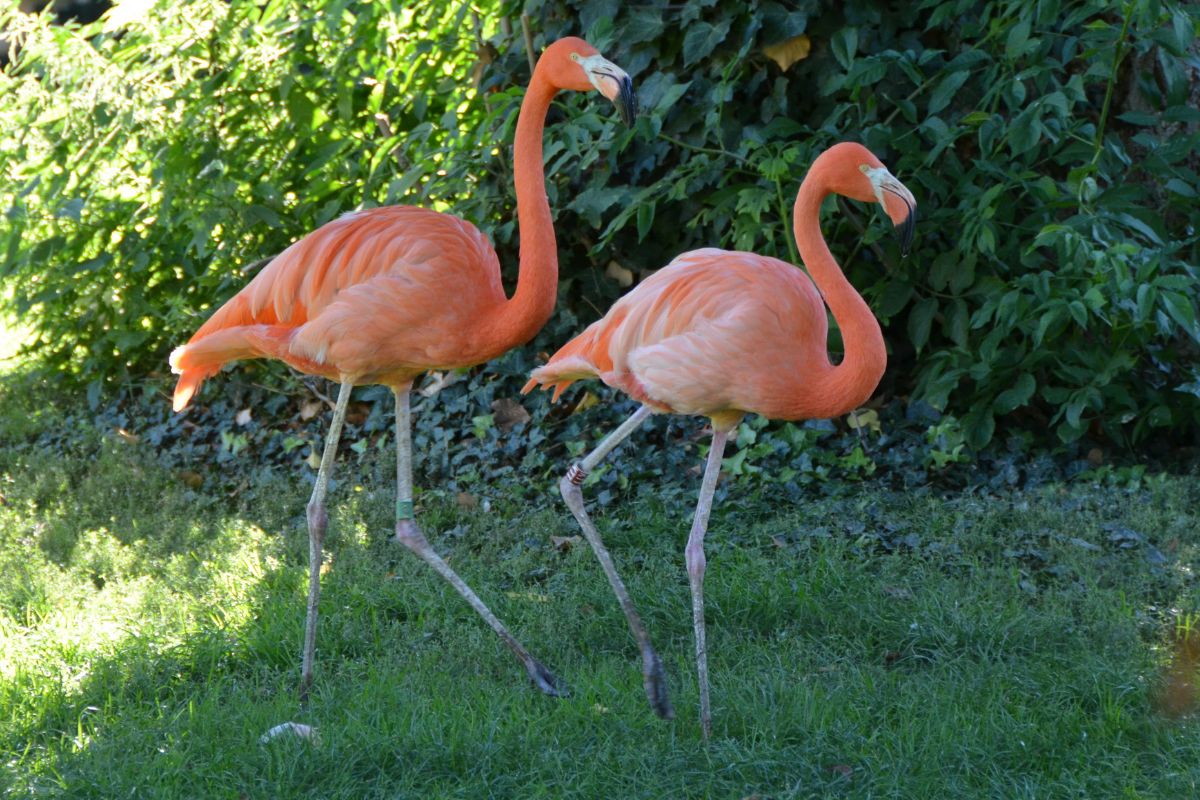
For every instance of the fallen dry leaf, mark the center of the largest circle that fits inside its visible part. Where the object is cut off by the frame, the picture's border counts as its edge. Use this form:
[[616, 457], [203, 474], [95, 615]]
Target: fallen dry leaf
[[564, 543], [439, 381], [588, 400], [845, 770], [128, 437], [789, 51], [314, 459], [508, 412], [357, 413], [1176, 694], [466, 500], [243, 417], [616, 272], [296, 729], [309, 409], [192, 480], [485, 54]]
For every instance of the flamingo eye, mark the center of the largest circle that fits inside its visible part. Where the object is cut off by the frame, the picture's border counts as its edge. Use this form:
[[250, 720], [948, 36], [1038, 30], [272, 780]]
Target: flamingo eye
[[575, 57]]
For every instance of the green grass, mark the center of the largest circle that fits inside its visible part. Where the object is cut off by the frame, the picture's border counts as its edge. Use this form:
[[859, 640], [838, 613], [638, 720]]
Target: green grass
[[150, 631]]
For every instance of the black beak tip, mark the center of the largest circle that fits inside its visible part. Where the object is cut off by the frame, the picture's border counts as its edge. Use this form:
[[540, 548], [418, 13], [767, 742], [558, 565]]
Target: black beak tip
[[905, 230], [627, 105]]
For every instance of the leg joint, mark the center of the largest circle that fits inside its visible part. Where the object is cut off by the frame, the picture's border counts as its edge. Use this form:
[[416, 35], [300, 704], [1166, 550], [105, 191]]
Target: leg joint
[[576, 474], [404, 510]]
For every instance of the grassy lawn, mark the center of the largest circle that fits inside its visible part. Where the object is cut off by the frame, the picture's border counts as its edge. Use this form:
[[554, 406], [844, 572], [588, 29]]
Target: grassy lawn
[[865, 644]]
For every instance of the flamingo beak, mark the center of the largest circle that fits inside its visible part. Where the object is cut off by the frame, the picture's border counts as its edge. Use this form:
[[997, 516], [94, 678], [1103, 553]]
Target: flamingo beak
[[898, 202], [613, 82]]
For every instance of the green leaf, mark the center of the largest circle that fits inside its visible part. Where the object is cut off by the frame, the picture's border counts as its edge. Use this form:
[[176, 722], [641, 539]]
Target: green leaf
[[591, 203], [943, 268], [1143, 118], [1180, 309], [979, 426], [1078, 313], [1017, 395], [894, 298], [940, 97], [1147, 294], [957, 319], [919, 321], [1054, 318], [1018, 34], [645, 218], [1074, 410], [844, 44], [1180, 188], [1025, 131], [481, 424], [701, 38]]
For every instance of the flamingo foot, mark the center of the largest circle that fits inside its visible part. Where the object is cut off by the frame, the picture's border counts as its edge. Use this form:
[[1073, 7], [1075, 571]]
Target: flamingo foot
[[545, 680], [408, 533], [655, 682]]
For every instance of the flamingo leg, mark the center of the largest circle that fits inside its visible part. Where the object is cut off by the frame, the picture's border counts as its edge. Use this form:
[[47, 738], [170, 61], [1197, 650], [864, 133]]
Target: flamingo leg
[[653, 679], [694, 556], [317, 522], [409, 534]]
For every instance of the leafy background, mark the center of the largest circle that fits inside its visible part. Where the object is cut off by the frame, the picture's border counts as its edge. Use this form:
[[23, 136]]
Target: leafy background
[[154, 158]]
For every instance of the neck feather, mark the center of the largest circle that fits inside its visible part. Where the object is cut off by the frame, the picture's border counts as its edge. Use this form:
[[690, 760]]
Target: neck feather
[[851, 382], [537, 279]]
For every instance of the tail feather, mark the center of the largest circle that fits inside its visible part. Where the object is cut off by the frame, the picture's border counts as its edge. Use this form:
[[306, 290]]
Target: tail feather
[[188, 385], [574, 361], [204, 356], [560, 373]]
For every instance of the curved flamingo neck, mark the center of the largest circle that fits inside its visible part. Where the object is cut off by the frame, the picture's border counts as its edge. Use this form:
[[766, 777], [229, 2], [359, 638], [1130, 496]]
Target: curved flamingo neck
[[849, 384], [537, 279]]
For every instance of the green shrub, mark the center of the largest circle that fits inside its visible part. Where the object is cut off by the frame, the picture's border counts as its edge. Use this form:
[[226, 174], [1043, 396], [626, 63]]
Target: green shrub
[[152, 162], [1051, 147]]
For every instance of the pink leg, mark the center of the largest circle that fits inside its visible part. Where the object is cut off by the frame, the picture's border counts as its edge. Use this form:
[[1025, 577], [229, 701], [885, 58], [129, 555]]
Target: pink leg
[[317, 522], [410, 535], [694, 556], [653, 678]]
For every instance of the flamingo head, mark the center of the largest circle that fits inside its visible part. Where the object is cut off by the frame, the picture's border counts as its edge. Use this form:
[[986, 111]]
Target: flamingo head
[[575, 65], [859, 175]]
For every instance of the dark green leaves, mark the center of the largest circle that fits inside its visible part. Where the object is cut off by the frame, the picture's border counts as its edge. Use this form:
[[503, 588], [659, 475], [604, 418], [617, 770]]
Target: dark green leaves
[[920, 319], [701, 38], [1017, 396], [1054, 273], [940, 97], [844, 44]]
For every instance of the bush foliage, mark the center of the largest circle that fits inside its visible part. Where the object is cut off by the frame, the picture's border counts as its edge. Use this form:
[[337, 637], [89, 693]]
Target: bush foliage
[[153, 160]]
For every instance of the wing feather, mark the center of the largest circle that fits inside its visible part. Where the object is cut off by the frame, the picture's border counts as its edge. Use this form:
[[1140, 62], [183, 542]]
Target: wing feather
[[694, 336]]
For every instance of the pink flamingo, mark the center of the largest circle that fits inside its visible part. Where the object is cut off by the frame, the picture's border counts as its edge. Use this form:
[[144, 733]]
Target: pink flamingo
[[386, 294], [721, 334]]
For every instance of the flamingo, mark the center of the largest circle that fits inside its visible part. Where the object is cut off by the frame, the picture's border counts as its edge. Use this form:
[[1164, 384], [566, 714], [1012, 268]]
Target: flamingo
[[720, 334], [382, 295]]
